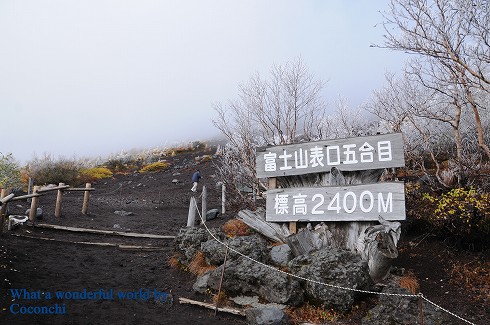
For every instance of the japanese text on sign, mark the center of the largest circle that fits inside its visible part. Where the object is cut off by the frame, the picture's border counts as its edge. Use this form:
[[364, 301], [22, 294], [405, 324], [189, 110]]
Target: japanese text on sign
[[346, 154], [359, 202]]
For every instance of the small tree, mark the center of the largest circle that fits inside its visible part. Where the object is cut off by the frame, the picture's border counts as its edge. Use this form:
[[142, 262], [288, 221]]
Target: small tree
[[451, 37], [283, 109]]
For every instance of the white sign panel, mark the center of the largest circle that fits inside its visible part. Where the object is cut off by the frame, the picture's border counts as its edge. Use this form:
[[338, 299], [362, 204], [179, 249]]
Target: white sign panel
[[337, 203], [362, 153]]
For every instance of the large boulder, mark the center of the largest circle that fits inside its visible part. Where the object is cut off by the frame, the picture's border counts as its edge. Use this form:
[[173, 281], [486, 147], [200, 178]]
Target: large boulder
[[246, 277], [188, 241], [254, 246], [401, 310], [337, 268]]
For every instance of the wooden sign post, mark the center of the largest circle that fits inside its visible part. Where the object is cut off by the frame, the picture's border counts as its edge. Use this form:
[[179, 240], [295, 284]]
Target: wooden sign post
[[59, 198], [86, 196]]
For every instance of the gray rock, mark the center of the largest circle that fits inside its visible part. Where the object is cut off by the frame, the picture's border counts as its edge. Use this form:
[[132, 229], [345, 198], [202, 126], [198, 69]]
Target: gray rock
[[254, 302], [398, 310], [175, 181], [214, 252], [188, 241], [335, 267], [266, 316], [212, 214], [246, 277], [281, 255], [39, 213], [201, 284], [253, 246]]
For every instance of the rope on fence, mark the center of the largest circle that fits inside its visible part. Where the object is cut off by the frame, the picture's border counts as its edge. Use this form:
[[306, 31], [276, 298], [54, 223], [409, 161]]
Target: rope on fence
[[420, 295]]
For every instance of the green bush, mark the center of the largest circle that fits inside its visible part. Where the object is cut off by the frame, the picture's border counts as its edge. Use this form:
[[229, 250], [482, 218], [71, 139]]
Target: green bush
[[10, 175], [155, 167]]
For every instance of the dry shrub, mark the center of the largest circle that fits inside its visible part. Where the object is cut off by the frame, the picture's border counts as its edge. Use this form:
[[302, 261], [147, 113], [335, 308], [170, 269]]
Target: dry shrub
[[175, 263], [409, 281], [47, 170], [311, 314], [172, 152], [220, 298], [24, 178], [236, 227], [474, 276], [122, 166], [199, 266]]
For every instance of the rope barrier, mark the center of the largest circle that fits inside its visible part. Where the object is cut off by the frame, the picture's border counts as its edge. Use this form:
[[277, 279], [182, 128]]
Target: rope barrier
[[420, 295]]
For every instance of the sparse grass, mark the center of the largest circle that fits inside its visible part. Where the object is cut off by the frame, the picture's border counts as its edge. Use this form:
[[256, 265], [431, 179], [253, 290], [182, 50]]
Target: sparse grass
[[199, 266], [474, 276], [155, 167], [172, 152], [236, 227], [221, 298], [311, 314], [410, 282]]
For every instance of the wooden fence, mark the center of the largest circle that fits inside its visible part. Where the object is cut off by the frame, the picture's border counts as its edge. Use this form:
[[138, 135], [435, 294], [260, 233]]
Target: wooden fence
[[37, 192]]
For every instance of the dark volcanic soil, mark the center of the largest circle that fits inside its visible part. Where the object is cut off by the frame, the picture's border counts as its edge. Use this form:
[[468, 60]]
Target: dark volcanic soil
[[159, 207]]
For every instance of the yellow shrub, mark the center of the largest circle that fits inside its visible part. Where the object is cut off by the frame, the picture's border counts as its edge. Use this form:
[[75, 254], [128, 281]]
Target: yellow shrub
[[96, 173], [155, 167], [460, 211]]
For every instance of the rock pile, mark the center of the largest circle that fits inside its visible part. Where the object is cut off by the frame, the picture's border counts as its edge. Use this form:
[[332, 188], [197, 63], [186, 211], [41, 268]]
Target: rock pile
[[270, 272]]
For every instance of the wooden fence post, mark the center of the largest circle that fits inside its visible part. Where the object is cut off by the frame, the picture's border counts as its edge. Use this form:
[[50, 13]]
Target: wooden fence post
[[29, 188], [86, 195], [59, 199], [191, 217], [204, 206], [34, 203], [3, 209]]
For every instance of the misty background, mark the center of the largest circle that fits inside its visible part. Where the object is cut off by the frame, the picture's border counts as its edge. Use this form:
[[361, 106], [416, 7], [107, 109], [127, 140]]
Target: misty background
[[97, 77]]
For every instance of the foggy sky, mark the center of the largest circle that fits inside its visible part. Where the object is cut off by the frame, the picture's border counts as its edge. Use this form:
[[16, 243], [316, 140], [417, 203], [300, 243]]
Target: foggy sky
[[82, 78]]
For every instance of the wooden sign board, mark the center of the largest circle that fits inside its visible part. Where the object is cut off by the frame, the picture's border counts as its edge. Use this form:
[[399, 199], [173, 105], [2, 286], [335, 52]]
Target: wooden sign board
[[363, 202], [361, 153]]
